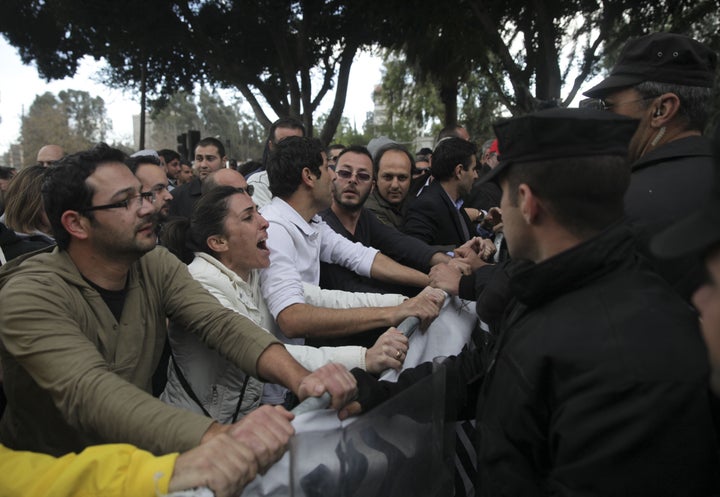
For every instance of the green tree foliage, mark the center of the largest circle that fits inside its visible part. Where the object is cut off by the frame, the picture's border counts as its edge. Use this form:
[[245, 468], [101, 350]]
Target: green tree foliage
[[212, 116], [348, 133], [86, 114], [412, 106], [532, 52], [287, 54], [73, 120]]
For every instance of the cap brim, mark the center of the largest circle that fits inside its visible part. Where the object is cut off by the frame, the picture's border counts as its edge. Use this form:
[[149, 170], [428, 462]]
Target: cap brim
[[612, 83], [692, 234]]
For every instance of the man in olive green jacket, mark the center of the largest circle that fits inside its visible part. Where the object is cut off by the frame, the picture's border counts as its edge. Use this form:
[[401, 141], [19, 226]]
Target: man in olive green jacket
[[82, 327]]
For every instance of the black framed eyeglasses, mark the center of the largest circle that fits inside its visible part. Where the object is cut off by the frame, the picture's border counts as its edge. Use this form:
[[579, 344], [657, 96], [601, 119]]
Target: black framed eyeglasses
[[134, 200], [361, 176], [602, 104], [250, 189]]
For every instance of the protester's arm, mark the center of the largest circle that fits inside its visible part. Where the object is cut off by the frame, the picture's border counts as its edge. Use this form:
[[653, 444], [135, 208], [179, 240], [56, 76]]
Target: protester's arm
[[222, 464], [381, 356], [301, 320], [388, 352], [193, 308], [464, 375], [67, 365], [249, 346], [439, 258], [304, 320], [403, 248], [475, 252], [386, 269], [108, 470], [340, 299], [266, 431], [446, 277], [366, 261]]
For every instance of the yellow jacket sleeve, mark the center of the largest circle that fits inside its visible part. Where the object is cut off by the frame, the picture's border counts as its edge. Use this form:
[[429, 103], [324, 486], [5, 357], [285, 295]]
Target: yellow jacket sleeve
[[99, 471]]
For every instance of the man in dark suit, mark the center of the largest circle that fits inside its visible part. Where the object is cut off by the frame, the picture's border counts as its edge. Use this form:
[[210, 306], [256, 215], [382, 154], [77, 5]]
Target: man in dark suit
[[436, 216]]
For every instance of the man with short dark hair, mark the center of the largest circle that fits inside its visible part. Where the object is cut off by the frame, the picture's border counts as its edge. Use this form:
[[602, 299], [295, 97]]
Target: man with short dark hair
[[298, 240], [171, 159], [186, 173], [333, 152], [436, 216], [83, 327], [485, 195], [280, 129], [422, 163], [453, 131], [665, 80], [209, 157], [575, 396]]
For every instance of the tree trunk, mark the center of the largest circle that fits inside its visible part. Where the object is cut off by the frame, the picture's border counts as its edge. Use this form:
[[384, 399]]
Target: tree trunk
[[143, 103], [333, 120], [448, 96]]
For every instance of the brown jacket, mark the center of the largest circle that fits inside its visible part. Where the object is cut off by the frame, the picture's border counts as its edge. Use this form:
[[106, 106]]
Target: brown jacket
[[75, 377]]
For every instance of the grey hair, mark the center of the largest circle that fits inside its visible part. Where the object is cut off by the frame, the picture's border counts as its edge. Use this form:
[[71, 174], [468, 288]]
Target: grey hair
[[694, 101]]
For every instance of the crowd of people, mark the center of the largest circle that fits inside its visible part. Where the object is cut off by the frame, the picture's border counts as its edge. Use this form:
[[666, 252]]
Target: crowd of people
[[160, 319]]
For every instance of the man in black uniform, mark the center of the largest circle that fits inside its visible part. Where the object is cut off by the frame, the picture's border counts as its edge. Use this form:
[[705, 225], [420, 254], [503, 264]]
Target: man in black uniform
[[596, 383], [665, 80]]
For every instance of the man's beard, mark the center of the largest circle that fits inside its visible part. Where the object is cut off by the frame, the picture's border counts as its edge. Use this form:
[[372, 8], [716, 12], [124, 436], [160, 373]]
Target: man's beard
[[351, 207]]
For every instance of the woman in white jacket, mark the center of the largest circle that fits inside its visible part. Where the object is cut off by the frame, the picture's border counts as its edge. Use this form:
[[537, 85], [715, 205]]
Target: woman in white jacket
[[225, 246]]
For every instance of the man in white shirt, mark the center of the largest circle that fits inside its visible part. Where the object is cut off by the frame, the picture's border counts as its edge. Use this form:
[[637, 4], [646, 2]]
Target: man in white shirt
[[298, 240]]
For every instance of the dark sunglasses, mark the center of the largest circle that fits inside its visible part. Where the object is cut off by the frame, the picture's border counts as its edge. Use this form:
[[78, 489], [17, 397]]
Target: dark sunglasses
[[360, 175]]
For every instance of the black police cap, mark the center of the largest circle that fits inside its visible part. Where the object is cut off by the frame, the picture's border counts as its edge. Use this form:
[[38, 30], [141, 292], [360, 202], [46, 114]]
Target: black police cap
[[663, 58], [555, 134]]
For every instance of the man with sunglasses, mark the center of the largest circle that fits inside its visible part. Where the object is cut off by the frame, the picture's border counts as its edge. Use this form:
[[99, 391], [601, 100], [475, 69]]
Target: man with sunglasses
[[665, 80], [348, 216], [83, 327]]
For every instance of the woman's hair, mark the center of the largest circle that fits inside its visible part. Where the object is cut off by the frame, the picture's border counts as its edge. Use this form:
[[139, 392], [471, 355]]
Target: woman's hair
[[24, 210], [183, 237]]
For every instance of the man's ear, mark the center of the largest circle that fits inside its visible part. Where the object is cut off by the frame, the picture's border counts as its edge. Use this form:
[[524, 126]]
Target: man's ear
[[529, 203], [308, 177], [75, 224], [458, 170], [665, 108], [217, 243]]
